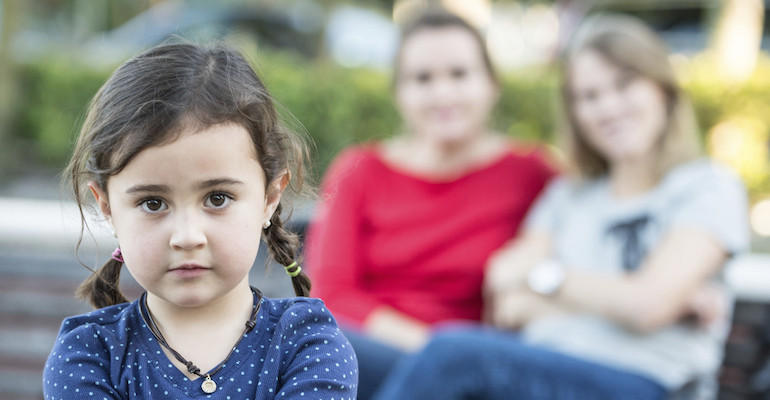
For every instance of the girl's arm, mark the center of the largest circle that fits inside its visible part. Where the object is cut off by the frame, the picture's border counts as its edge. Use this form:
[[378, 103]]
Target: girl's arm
[[80, 366], [313, 358]]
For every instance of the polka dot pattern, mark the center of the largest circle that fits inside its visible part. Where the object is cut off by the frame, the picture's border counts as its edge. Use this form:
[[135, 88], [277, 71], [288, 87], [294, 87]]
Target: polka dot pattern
[[296, 351]]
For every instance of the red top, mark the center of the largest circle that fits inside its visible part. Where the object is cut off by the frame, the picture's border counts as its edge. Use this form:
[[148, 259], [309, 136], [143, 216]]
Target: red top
[[383, 237]]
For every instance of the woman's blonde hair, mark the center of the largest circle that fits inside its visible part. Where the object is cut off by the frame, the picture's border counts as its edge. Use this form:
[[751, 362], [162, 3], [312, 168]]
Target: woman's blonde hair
[[630, 44]]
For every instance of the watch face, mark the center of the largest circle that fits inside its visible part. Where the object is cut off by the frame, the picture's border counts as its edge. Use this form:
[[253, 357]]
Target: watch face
[[546, 278]]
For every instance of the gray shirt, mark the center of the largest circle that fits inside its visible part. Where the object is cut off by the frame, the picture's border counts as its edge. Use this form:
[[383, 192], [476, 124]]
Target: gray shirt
[[596, 232]]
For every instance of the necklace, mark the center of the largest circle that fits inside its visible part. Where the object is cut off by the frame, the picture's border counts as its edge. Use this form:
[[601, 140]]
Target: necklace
[[208, 385]]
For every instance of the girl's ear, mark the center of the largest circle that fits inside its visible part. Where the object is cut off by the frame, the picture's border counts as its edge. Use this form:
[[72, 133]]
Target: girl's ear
[[101, 199], [274, 192]]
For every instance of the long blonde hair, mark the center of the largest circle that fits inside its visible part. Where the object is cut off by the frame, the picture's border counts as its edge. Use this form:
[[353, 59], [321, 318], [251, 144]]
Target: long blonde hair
[[630, 44]]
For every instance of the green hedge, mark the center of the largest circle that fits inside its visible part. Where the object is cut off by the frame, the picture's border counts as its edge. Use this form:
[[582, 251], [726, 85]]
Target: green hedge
[[339, 107], [54, 95]]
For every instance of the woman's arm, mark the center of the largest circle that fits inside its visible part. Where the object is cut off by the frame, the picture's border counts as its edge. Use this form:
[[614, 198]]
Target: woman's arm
[[334, 242], [508, 267], [509, 303], [660, 293]]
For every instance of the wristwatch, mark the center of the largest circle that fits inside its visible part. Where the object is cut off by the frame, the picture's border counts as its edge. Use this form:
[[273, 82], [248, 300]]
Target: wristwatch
[[547, 277]]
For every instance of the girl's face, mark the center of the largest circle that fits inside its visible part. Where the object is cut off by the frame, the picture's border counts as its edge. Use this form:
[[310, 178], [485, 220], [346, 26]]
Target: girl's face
[[188, 214], [621, 114], [444, 91]]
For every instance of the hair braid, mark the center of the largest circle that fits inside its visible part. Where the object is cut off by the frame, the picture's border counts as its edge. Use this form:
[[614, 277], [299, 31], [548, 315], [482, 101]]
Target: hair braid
[[282, 245], [102, 288]]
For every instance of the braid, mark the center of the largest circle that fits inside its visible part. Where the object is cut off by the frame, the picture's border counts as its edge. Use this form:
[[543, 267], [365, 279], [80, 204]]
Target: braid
[[101, 289], [282, 245]]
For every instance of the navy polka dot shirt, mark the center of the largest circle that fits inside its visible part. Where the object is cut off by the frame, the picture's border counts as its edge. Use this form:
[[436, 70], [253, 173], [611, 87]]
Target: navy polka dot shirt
[[296, 351]]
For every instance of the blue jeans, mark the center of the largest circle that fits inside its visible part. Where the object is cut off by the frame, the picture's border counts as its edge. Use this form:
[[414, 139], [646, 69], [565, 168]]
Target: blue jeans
[[488, 364], [375, 361]]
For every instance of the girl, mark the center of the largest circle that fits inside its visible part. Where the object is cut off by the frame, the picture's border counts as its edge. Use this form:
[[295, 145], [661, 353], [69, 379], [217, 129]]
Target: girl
[[613, 280], [184, 154], [408, 224]]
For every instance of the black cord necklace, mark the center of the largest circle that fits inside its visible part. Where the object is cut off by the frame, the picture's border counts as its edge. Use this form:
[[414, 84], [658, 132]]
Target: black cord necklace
[[208, 385]]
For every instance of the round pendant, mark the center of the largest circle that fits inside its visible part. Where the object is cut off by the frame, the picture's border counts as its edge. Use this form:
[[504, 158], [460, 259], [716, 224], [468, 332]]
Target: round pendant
[[209, 386]]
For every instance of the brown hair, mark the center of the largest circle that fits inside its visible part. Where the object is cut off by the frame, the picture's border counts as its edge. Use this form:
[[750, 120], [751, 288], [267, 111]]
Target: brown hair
[[438, 19], [630, 44], [149, 101]]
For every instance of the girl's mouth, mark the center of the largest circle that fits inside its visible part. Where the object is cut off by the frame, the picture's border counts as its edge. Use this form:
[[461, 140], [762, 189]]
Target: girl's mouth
[[189, 271]]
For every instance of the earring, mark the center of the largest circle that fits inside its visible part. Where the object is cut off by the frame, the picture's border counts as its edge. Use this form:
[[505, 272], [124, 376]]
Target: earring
[[114, 234], [266, 224]]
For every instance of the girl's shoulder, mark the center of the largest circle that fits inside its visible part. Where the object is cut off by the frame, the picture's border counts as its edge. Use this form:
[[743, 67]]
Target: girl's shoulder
[[298, 308], [109, 319], [303, 322], [89, 346], [301, 316]]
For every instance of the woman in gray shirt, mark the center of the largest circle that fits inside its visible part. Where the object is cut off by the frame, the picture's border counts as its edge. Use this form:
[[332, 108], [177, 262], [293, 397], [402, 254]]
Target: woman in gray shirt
[[614, 282]]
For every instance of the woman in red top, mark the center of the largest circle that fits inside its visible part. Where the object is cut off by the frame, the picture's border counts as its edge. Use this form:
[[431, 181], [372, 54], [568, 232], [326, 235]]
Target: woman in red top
[[406, 226]]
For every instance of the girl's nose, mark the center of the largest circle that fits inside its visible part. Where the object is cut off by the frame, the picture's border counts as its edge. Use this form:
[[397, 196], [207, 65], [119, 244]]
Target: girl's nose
[[188, 232]]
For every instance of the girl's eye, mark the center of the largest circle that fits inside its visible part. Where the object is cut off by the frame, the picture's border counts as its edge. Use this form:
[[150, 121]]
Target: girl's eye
[[218, 200], [423, 77], [153, 205]]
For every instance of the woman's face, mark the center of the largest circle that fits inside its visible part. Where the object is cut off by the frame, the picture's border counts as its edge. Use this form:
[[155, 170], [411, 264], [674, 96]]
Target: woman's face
[[620, 113], [444, 91]]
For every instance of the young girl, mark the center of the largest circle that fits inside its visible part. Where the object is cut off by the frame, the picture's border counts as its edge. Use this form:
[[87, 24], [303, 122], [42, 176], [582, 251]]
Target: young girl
[[184, 154]]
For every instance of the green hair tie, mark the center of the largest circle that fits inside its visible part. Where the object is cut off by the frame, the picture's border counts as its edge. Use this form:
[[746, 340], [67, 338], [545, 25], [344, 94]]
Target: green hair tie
[[290, 266]]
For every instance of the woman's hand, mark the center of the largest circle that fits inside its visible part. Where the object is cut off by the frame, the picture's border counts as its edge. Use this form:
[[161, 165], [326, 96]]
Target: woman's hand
[[397, 329], [516, 308], [707, 305], [509, 303], [504, 272], [508, 267]]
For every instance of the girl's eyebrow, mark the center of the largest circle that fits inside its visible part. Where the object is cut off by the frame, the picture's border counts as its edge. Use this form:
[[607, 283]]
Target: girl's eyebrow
[[217, 182], [198, 186], [148, 189]]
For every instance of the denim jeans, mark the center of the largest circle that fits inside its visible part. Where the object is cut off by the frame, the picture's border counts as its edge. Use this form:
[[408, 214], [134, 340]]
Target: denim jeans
[[488, 364], [375, 361]]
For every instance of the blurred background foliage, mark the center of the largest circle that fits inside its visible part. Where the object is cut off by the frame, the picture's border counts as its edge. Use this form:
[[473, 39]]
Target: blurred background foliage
[[339, 107]]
